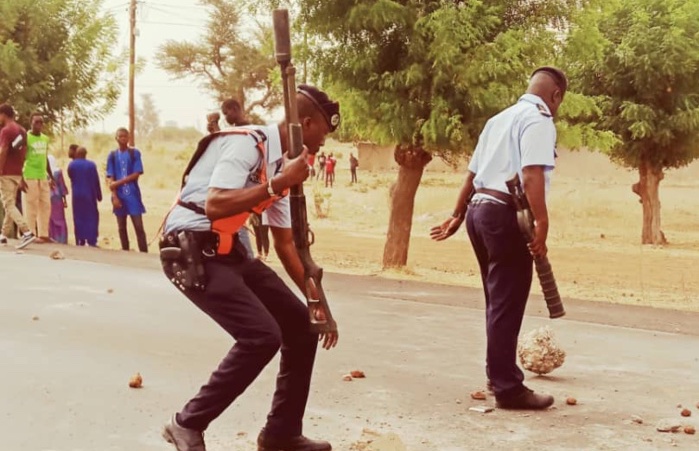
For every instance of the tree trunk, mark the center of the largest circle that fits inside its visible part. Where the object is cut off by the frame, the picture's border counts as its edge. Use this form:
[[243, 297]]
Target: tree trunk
[[411, 164], [242, 100], [648, 189]]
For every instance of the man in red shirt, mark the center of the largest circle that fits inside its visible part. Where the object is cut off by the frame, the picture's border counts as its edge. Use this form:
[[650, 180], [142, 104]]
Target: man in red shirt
[[311, 163], [330, 170], [13, 150]]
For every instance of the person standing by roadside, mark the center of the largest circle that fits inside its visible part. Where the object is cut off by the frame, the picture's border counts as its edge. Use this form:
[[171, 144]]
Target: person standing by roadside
[[58, 228], [330, 164], [124, 167], [321, 166], [233, 114], [71, 151], [354, 164], [85, 183], [13, 149], [261, 231], [312, 165], [38, 180]]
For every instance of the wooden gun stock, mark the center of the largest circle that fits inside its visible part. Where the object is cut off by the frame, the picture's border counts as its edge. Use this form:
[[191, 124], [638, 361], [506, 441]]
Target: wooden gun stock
[[303, 236]]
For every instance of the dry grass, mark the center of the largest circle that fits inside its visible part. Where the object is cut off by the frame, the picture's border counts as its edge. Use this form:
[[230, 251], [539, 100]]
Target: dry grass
[[593, 243]]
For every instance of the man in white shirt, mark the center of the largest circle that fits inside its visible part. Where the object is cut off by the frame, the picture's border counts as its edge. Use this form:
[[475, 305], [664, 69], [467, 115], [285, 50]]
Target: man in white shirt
[[241, 170], [519, 140]]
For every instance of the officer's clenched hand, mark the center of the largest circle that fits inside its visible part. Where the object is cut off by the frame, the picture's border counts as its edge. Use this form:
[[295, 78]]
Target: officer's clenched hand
[[537, 247], [447, 229], [295, 170]]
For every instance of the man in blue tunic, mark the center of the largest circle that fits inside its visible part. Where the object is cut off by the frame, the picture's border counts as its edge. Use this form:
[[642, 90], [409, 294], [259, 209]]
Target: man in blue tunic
[[85, 186], [124, 167], [519, 140]]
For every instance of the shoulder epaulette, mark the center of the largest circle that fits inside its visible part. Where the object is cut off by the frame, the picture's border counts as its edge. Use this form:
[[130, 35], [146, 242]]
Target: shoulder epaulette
[[542, 109]]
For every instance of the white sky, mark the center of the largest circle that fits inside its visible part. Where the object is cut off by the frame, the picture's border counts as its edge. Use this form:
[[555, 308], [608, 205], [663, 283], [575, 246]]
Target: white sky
[[182, 101]]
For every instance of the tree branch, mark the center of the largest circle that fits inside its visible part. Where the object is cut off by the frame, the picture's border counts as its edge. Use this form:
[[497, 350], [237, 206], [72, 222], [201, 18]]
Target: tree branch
[[261, 103]]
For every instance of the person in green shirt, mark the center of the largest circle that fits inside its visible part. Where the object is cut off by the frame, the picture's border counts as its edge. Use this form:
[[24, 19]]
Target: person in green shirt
[[37, 180]]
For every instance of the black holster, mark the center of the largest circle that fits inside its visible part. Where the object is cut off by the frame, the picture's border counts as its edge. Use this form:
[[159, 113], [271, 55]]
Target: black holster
[[183, 260]]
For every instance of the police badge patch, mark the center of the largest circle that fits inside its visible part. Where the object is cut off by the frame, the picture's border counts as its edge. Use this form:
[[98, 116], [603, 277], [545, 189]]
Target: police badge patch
[[335, 120]]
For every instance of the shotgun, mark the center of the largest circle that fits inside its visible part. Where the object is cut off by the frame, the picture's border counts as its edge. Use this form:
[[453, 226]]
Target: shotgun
[[525, 220], [303, 236]]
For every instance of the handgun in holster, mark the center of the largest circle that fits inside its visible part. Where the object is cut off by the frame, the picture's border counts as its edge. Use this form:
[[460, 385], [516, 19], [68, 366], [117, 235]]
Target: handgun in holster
[[183, 262]]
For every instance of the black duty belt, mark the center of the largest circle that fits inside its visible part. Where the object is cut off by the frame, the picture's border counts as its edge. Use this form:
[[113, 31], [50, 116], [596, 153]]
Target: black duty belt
[[207, 242], [499, 195]]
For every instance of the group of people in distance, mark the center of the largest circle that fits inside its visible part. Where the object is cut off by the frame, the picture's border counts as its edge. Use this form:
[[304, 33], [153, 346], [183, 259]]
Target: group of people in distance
[[25, 167], [28, 170]]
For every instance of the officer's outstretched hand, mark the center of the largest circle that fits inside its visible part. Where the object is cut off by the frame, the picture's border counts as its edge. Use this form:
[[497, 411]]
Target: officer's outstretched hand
[[447, 229], [296, 170], [329, 339]]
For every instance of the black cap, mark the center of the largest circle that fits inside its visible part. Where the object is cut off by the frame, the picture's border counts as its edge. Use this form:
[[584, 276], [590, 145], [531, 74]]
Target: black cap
[[558, 75], [330, 109]]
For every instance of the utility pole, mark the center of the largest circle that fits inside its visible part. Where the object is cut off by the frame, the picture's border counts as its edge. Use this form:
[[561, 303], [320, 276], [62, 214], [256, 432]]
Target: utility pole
[[305, 57], [62, 130], [132, 73]]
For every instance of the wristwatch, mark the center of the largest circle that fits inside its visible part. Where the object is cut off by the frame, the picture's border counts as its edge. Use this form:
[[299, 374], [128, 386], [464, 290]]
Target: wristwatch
[[270, 190]]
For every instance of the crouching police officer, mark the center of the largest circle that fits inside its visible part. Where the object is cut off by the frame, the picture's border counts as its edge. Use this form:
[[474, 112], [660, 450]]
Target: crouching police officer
[[521, 139], [231, 174]]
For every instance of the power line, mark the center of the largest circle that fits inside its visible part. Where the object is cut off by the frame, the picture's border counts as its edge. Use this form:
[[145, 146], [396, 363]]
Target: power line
[[120, 5], [199, 7], [174, 24], [132, 72], [117, 7], [171, 14]]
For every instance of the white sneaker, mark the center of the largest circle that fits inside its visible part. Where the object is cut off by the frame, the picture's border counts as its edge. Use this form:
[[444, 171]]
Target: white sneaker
[[27, 239], [3, 239]]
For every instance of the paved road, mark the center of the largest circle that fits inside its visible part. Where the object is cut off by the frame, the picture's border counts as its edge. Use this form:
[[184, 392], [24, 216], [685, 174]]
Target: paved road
[[65, 374]]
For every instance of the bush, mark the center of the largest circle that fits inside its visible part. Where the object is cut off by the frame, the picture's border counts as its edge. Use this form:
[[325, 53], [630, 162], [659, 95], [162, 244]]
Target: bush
[[322, 200]]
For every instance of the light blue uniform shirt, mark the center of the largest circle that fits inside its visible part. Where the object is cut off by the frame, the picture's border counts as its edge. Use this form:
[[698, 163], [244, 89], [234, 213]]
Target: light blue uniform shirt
[[231, 162], [520, 136]]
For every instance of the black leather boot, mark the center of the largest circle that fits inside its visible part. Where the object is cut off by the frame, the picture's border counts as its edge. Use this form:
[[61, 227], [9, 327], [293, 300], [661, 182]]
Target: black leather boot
[[266, 442], [525, 400]]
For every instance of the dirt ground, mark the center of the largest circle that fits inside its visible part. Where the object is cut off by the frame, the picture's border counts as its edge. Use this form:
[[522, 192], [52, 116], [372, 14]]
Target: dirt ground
[[594, 238]]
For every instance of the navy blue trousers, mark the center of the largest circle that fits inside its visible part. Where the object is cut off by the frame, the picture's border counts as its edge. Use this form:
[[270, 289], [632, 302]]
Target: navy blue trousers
[[506, 271], [250, 302]]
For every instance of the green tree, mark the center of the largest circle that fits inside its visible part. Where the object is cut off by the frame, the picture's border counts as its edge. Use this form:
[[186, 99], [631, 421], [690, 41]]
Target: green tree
[[639, 60], [56, 58], [147, 117], [426, 75], [227, 60]]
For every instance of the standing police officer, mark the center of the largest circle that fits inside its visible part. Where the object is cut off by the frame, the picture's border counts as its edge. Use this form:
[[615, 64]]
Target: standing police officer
[[232, 173], [520, 139]]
